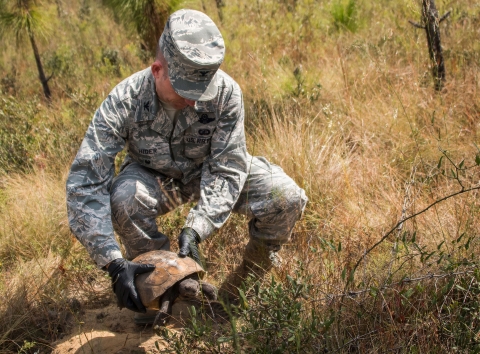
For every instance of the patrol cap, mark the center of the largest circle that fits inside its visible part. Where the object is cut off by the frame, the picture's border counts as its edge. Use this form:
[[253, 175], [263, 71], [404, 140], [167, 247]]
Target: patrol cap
[[194, 49]]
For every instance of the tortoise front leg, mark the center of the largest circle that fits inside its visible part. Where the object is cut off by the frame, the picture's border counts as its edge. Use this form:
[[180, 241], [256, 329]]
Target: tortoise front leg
[[209, 290], [166, 303]]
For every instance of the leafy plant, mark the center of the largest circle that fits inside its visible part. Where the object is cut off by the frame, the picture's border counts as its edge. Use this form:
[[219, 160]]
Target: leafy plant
[[344, 13], [273, 319]]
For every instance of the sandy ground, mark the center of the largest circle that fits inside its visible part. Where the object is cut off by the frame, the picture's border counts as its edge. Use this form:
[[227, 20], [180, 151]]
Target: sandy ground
[[110, 330]]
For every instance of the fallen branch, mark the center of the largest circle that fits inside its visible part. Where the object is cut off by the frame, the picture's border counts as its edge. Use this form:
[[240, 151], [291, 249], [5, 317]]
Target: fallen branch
[[384, 237], [355, 293]]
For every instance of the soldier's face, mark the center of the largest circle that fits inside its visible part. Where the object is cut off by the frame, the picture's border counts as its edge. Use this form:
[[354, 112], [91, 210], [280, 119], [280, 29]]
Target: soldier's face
[[165, 91]]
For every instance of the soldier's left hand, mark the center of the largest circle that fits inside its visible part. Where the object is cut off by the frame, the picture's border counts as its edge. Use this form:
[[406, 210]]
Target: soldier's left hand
[[188, 241]]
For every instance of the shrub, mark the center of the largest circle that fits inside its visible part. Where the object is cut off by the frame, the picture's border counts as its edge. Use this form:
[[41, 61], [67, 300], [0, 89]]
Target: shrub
[[271, 318]]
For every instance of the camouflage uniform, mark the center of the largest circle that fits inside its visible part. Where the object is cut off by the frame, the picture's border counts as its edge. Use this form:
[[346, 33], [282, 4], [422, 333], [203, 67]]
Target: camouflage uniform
[[202, 158]]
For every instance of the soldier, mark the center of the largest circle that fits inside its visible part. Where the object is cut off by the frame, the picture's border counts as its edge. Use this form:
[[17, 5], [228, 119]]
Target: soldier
[[182, 123]]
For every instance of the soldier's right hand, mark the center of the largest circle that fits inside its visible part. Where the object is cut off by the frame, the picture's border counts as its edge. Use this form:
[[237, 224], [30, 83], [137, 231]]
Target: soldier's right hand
[[123, 275]]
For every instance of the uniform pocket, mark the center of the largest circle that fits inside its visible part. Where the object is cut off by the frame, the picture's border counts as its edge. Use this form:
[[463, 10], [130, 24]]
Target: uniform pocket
[[145, 204], [149, 148], [198, 137]]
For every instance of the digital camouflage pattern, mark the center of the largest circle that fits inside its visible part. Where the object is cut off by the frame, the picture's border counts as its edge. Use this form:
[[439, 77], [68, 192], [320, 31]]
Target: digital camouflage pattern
[[194, 49], [163, 170], [269, 198], [203, 158], [208, 142]]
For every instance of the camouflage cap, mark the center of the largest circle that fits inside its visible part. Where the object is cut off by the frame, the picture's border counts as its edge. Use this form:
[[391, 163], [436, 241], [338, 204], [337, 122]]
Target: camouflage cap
[[194, 49]]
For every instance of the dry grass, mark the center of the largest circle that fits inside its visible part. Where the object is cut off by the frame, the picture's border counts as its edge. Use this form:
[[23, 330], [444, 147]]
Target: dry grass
[[44, 271], [352, 117], [34, 217]]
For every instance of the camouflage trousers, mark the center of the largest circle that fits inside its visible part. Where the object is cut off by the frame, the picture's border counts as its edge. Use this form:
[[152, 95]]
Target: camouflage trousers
[[270, 199]]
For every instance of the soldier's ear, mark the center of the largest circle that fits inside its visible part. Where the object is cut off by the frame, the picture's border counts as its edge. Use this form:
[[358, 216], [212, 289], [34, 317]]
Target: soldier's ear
[[157, 69]]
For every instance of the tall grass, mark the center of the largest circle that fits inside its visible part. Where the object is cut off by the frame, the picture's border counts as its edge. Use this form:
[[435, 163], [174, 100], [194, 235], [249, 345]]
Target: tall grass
[[44, 271], [352, 116]]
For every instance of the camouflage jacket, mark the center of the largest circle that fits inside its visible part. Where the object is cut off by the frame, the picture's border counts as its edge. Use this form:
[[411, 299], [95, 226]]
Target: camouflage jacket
[[208, 141]]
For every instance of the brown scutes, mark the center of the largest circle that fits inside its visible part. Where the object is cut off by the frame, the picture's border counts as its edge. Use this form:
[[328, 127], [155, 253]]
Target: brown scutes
[[170, 269]]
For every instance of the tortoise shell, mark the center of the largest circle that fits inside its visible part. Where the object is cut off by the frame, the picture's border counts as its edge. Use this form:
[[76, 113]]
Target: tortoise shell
[[170, 268]]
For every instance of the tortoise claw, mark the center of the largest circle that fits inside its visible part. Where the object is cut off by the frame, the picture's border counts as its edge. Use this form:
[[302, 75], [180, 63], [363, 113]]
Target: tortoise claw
[[166, 303], [161, 319]]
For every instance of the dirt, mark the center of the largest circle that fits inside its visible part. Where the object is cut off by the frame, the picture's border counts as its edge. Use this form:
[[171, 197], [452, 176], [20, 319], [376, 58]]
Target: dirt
[[110, 330]]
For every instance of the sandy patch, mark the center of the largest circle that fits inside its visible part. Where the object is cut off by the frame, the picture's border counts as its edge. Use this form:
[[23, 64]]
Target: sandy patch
[[110, 330]]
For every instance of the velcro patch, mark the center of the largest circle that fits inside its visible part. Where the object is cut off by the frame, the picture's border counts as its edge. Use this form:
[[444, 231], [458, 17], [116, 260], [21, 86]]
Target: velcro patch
[[206, 117]]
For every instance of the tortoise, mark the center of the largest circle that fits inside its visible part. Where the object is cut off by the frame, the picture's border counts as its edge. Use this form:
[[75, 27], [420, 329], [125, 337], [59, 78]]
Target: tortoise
[[173, 276]]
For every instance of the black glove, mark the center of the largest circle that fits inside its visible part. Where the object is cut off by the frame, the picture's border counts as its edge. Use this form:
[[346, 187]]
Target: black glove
[[123, 274], [188, 244]]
